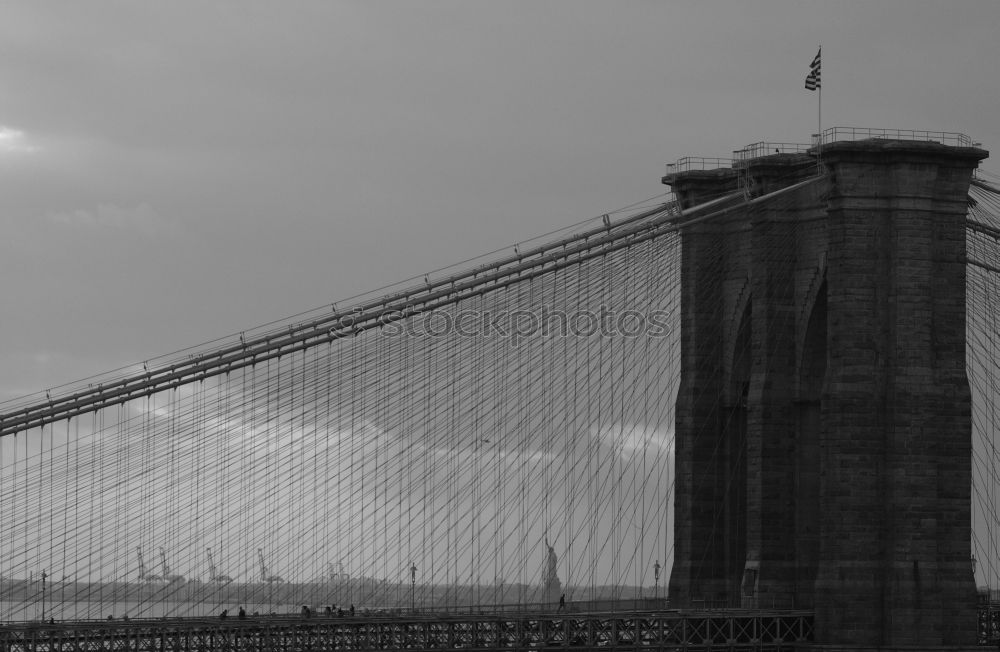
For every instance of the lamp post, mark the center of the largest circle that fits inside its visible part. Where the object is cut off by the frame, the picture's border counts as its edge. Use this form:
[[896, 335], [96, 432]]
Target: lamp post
[[413, 585], [656, 580], [43, 595]]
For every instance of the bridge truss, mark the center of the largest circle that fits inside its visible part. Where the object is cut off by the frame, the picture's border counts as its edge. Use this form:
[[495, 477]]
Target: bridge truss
[[635, 631]]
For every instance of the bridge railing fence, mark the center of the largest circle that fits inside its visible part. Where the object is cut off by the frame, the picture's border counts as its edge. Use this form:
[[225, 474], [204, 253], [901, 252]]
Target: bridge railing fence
[[626, 631], [830, 135], [835, 134], [688, 163], [766, 148]]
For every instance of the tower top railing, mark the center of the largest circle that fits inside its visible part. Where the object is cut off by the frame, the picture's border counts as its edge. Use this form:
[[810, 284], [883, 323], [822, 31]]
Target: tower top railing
[[697, 163], [829, 135], [765, 148], [837, 134]]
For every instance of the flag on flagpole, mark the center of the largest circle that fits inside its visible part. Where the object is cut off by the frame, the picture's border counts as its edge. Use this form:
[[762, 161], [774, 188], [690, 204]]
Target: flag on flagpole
[[813, 79]]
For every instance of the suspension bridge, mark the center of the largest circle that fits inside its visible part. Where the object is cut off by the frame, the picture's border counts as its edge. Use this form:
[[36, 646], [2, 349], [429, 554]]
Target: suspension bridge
[[635, 433]]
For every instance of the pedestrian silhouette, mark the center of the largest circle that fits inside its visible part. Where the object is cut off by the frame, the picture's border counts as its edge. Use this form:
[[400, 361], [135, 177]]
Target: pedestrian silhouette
[[225, 612], [562, 602], [242, 615]]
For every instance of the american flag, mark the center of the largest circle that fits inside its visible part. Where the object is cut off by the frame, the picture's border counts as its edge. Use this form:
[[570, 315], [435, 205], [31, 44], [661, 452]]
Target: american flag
[[812, 80]]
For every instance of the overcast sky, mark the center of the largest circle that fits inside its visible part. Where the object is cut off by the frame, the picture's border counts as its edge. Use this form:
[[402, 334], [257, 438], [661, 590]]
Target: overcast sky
[[178, 171]]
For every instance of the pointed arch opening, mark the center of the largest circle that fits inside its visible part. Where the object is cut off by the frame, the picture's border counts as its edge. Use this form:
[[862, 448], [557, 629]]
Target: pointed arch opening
[[812, 375], [734, 455]]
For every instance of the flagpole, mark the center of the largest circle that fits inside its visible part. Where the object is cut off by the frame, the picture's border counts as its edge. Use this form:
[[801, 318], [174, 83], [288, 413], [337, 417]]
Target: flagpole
[[819, 122], [814, 82]]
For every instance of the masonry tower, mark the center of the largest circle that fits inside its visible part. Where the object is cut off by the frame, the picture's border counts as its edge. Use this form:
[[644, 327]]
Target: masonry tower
[[823, 416]]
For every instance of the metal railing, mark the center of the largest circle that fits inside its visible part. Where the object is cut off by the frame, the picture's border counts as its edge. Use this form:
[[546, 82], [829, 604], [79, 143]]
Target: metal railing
[[755, 150], [835, 134], [697, 163], [830, 135], [656, 630]]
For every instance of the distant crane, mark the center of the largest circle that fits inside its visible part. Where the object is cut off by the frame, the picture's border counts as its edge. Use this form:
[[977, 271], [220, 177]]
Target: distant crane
[[143, 575], [166, 569], [213, 574], [270, 579]]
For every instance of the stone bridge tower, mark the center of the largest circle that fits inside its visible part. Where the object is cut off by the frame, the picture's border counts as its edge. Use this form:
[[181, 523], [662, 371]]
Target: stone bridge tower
[[823, 416]]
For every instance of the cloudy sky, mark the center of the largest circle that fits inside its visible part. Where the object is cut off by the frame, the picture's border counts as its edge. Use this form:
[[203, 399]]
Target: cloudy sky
[[175, 172]]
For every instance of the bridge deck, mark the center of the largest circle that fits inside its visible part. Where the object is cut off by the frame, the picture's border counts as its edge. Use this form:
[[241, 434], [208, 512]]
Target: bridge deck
[[733, 630]]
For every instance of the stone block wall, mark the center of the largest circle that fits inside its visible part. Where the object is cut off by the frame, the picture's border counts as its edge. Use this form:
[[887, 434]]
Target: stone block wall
[[823, 418], [896, 453]]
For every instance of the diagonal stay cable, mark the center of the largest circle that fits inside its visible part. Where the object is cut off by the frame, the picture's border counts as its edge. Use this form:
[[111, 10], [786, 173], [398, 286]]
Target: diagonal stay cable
[[500, 274]]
